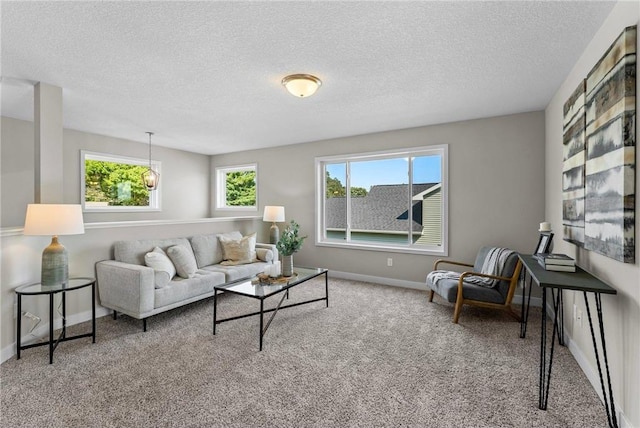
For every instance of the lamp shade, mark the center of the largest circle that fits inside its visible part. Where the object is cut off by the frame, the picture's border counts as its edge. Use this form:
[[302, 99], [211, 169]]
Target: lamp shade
[[54, 219], [273, 214]]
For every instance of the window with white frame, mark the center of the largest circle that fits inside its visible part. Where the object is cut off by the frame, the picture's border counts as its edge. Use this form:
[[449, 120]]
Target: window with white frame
[[388, 201], [236, 187], [114, 183]]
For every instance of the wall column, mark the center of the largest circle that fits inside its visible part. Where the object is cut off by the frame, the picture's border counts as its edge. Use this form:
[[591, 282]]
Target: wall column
[[48, 144]]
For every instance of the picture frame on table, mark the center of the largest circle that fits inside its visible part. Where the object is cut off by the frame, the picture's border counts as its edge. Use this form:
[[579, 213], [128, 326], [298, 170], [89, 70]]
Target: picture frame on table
[[544, 242]]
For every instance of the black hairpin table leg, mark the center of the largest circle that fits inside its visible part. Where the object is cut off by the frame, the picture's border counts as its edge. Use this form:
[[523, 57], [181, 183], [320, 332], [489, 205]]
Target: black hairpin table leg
[[608, 400]]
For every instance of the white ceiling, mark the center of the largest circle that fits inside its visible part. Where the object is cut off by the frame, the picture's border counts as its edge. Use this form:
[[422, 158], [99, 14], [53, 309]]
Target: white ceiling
[[205, 76]]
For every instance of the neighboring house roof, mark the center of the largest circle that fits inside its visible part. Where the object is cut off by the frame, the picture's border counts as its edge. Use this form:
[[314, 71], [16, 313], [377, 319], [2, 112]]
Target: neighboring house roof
[[384, 208]]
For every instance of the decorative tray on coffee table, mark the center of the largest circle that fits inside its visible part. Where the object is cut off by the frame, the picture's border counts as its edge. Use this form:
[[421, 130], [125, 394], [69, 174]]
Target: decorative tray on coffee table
[[263, 278]]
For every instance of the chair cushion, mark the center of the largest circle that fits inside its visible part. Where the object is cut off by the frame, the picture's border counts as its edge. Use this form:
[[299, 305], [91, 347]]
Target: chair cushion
[[448, 289], [507, 271]]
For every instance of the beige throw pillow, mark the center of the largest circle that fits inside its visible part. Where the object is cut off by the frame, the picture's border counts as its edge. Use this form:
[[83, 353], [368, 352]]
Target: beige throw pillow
[[238, 251], [184, 260], [164, 269]]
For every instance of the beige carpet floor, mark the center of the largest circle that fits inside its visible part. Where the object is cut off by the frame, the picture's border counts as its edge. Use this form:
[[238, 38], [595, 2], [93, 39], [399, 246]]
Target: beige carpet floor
[[377, 357]]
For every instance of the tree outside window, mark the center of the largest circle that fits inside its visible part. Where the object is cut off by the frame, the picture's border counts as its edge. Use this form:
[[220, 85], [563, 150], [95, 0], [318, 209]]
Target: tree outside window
[[113, 183], [237, 187]]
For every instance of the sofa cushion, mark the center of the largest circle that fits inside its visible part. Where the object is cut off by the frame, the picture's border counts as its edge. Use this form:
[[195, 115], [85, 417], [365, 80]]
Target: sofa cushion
[[162, 266], [134, 251], [207, 249], [233, 273], [183, 259], [238, 251], [180, 289]]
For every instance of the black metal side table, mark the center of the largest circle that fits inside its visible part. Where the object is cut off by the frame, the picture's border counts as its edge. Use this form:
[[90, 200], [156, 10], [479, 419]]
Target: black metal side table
[[51, 291], [580, 280]]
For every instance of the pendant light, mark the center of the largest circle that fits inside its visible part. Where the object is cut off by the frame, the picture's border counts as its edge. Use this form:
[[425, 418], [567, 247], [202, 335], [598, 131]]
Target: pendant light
[[150, 178]]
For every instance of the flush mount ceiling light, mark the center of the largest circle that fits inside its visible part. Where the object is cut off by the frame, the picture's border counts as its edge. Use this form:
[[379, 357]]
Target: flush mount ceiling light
[[301, 85]]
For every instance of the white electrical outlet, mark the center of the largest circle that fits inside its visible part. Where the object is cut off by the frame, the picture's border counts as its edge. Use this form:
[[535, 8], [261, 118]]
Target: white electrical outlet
[[579, 316], [389, 261]]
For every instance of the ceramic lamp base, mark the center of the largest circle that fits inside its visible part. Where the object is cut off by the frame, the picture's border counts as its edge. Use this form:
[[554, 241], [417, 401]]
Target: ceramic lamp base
[[55, 264], [274, 234]]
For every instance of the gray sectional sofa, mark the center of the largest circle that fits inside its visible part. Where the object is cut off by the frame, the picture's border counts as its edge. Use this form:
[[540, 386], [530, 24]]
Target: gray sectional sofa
[[129, 286]]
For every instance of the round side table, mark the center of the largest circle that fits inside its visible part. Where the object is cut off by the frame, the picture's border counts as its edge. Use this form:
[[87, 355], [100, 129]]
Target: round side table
[[51, 290]]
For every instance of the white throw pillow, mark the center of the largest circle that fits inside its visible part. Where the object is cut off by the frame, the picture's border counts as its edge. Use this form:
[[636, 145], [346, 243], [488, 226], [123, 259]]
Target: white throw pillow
[[184, 260], [164, 269], [238, 251]]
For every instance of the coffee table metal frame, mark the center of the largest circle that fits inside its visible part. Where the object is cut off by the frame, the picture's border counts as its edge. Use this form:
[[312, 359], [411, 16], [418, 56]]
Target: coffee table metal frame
[[262, 292]]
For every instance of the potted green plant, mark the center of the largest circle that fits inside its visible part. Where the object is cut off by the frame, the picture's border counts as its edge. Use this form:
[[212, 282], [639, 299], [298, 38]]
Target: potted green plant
[[290, 242]]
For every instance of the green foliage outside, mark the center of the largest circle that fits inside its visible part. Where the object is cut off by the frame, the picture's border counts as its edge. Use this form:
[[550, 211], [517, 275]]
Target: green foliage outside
[[335, 188], [241, 188], [117, 184]]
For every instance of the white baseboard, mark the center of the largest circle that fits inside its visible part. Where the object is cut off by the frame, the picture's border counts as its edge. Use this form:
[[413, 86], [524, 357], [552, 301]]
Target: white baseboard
[[517, 299], [43, 330], [594, 379]]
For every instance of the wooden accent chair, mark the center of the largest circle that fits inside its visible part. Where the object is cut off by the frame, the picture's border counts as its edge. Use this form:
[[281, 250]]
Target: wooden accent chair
[[462, 292]]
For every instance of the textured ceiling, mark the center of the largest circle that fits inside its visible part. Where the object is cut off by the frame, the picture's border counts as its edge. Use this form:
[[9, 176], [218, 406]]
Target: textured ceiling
[[205, 76]]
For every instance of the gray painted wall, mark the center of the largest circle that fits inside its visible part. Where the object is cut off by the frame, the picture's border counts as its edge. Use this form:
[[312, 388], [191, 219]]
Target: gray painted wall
[[496, 194], [184, 181], [621, 312]]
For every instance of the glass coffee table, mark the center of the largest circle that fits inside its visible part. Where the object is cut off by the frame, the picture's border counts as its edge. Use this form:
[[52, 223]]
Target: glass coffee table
[[253, 288]]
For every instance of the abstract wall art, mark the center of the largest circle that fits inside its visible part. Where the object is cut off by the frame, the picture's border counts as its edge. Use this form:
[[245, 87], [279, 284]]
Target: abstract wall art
[[573, 156], [610, 114]]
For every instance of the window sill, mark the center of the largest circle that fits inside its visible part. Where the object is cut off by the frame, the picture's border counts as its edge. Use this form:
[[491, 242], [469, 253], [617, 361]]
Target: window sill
[[431, 251]]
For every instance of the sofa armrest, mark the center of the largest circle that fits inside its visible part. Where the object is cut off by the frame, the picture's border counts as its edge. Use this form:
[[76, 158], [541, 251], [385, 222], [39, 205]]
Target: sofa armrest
[[126, 287], [271, 247]]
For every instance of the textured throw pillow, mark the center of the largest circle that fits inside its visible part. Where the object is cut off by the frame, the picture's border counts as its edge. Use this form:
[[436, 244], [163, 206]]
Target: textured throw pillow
[[235, 235], [184, 260], [164, 269], [238, 251]]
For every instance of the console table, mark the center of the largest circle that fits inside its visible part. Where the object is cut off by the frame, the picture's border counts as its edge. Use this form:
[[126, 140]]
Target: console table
[[52, 290], [580, 280]]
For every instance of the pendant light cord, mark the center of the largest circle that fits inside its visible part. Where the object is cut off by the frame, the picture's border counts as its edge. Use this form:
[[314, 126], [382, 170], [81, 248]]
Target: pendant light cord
[[150, 134]]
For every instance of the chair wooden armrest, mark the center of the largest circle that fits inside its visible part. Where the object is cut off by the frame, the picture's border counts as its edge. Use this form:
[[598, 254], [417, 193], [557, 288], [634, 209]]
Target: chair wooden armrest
[[450, 262], [484, 275]]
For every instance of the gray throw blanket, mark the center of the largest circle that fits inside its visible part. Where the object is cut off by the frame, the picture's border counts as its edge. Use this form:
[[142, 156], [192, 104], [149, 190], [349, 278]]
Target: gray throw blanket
[[493, 265]]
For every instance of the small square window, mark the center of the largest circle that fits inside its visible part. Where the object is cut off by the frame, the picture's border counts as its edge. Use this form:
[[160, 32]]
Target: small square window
[[237, 187]]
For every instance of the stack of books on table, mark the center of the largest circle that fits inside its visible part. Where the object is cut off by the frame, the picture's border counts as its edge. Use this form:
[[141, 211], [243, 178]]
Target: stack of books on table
[[556, 262]]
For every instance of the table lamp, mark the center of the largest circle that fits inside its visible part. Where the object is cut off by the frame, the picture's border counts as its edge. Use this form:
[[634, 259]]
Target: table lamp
[[273, 214], [54, 219]]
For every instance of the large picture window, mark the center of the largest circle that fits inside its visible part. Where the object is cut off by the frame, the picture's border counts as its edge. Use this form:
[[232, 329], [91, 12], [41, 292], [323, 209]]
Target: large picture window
[[114, 183], [387, 201], [237, 187]]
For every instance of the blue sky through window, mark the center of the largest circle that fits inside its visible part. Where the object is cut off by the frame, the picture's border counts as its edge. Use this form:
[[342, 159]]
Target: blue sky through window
[[426, 169]]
